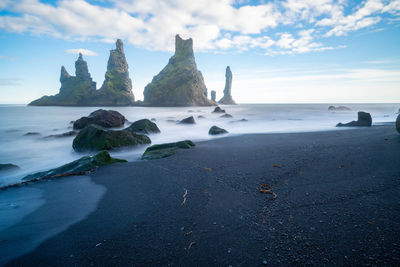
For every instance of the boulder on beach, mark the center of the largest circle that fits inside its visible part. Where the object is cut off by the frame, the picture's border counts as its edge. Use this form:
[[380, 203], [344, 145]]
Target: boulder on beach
[[179, 83], [364, 120], [77, 167], [338, 108], [398, 123], [226, 116], [188, 120], [227, 98], [95, 138], [8, 167], [215, 130], [101, 117], [165, 150], [218, 110], [144, 126]]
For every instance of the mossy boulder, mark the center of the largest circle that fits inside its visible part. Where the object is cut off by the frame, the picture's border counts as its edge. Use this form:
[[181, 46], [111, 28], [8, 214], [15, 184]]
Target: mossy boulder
[[166, 150], [364, 120], [398, 123], [143, 126], [95, 138], [8, 167], [215, 130], [188, 120], [79, 166], [101, 117]]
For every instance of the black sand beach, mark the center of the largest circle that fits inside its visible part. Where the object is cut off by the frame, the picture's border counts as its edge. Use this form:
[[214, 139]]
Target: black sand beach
[[338, 202]]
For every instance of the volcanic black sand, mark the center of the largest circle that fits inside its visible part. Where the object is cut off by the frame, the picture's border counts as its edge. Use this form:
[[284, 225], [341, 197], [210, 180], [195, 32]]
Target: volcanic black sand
[[337, 202]]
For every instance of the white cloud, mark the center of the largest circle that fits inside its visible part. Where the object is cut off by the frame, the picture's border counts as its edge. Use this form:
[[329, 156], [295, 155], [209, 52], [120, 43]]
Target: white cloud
[[82, 51], [214, 24]]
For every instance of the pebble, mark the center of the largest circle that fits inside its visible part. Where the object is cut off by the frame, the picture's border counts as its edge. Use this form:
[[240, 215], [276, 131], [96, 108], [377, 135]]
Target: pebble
[[265, 262]]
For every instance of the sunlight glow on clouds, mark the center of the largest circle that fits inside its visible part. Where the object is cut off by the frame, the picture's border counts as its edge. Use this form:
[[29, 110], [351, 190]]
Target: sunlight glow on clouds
[[216, 25]]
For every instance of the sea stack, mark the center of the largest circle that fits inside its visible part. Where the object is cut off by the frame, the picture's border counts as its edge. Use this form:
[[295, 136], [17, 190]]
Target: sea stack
[[179, 83], [227, 98], [80, 90], [213, 95], [117, 87], [75, 90]]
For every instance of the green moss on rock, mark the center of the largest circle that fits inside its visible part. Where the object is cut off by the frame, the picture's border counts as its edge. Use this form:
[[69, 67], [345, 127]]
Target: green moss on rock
[[78, 166], [143, 126], [95, 138], [215, 130], [166, 150]]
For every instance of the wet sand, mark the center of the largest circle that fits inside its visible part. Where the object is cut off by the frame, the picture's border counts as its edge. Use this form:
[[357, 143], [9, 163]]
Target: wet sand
[[337, 203]]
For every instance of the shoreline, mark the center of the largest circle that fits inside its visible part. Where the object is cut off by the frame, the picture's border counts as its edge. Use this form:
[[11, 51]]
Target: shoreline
[[321, 180]]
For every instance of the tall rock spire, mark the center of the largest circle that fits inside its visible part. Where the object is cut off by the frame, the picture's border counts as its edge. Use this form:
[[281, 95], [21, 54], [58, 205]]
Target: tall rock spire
[[81, 68], [179, 83], [227, 98]]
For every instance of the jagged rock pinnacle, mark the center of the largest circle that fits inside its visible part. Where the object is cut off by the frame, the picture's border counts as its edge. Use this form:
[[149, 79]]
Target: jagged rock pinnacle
[[81, 68], [227, 98]]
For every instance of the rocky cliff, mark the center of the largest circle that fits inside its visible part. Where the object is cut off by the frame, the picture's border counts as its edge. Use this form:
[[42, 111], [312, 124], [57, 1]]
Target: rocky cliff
[[179, 83], [80, 90], [227, 98]]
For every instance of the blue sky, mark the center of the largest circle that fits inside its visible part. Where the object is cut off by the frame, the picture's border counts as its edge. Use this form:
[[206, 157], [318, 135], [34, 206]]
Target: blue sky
[[292, 51]]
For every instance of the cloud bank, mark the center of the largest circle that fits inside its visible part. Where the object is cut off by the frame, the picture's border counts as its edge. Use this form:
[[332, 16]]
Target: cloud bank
[[274, 27]]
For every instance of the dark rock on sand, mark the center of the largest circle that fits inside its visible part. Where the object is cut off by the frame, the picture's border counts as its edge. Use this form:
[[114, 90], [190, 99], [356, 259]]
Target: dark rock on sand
[[66, 134], [179, 83], [101, 117], [79, 166], [165, 150], [80, 90], [188, 120], [227, 98], [95, 138], [31, 134], [143, 126], [8, 167], [364, 119], [213, 95], [338, 108], [218, 110], [398, 123], [216, 130], [226, 116]]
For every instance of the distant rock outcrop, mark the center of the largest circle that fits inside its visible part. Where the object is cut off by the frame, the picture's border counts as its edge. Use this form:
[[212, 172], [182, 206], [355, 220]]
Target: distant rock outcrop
[[101, 117], [218, 110], [80, 90], [188, 120], [364, 119], [179, 83], [8, 167], [338, 108], [227, 98], [213, 95]]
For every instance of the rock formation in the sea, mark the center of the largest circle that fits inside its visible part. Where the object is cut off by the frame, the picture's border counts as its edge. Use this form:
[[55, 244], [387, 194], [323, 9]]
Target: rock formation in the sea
[[165, 150], [179, 83], [364, 119], [218, 110], [101, 117], [95, 138], [66, 134], [398, 123], [144, 126], [215, 130], [188, 120], [227, 98], [75, 90], [338, 108], [117, 86], [77, 167], [80, 90], [213, 95], [226, 116], [8, 167]]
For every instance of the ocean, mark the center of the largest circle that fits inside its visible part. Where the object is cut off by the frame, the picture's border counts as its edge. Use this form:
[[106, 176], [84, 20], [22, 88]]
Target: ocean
[[33, 153]]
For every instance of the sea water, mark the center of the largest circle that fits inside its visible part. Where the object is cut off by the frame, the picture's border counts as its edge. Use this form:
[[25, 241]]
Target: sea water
[[33, 153]]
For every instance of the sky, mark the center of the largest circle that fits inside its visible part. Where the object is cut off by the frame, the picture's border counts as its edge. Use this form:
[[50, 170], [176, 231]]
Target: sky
[[290, 51]]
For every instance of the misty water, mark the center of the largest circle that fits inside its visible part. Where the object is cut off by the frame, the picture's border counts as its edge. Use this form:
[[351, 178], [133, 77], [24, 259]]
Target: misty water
[[37, 153]]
